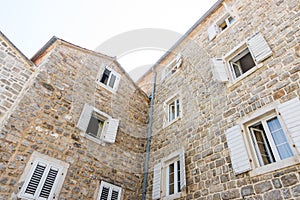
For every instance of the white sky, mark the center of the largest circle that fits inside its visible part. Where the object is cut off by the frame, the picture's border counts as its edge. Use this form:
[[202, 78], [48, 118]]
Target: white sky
[[29, 24]]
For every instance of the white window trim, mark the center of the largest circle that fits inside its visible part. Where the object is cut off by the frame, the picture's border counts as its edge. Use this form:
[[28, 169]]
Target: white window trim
[[111, 187], [171, 158], [116, 84], [231, 55], [30, 166], [269, 110], [166, 104]]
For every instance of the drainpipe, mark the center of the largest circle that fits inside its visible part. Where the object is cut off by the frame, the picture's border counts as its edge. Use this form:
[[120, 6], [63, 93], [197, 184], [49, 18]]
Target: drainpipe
[[144, 189]]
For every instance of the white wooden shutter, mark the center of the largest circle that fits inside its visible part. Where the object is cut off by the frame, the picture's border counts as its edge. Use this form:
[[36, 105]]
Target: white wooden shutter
[[259, 47], [163, 74], [237, 150], [116, 85], [85, 117], [156, 181], [111, 130], [212, 32], [42, 181], [290, 113], [219, 70], [182, 171]]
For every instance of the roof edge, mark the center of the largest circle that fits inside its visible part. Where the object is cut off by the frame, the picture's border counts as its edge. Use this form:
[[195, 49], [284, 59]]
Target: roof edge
[[177, 43], [18, 50]]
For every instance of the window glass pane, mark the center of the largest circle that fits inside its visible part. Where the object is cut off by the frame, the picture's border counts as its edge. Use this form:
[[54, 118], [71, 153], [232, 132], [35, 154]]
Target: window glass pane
[[279, 138], [172, 111], [95, 127], [178, 176], [171, 179], [236, 68], [262, 146], [246, 62], [112, 81], [230, 20], [105, 76]]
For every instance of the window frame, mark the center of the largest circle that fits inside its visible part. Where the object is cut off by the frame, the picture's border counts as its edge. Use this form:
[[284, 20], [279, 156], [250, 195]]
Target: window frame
[[111, 188], [101, 116], [50, 162], [107, 85], [165, 163], [263, 120], [225, 20], [172, 67], [177, 113]]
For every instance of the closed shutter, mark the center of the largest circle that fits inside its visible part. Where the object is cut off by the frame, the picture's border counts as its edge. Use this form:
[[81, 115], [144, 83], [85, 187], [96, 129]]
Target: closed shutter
[[237, 150], [182, 171], [115, 195], [42, 182], [109, 192], [111, 130], [219, 70], [85, 117], [259, 47], [212, 31], [156, 181], [104, 193], [290, 113]]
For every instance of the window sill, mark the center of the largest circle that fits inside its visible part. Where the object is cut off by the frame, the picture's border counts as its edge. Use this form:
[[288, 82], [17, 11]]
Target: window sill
[[172, 122], [237, 80], [106, 87], [173, 196], [275, 166], [93, 139]]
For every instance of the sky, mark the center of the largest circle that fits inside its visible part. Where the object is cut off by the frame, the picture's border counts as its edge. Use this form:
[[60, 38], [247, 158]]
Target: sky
[[29, 24]]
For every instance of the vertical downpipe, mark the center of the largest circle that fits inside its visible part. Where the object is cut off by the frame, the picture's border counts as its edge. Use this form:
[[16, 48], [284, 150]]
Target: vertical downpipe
[[149, 133]]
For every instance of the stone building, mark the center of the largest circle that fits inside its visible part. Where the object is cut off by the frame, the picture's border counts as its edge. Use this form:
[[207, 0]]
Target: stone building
[[225, 120]]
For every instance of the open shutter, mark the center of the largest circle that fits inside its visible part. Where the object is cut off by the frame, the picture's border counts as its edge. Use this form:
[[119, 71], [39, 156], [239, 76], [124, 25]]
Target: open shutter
[[259, 47], [290, 113], [212, 31], [219, 70], [85, 117], [182, 171], [156, 181], [163, 74], [237, 150], [116, 85], [111, 131]]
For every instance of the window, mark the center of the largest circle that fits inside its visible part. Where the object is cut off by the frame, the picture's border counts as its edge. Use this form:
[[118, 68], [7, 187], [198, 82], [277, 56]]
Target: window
[[172, 108], [170, 176], [242, 60], [225, 22], [96, 125], [172, 67], [241, 63], [44, 177], [267, 142], [109, 192], [110, 79]]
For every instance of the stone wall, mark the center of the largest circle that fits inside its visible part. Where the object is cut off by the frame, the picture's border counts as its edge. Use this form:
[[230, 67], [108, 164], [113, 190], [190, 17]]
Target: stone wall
[[15, 71], [46, 117], [210, 107]]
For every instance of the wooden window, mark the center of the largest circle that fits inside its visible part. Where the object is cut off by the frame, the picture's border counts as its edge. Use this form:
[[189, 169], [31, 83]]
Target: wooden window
[[110, 79], [169, 175], [97, 125]]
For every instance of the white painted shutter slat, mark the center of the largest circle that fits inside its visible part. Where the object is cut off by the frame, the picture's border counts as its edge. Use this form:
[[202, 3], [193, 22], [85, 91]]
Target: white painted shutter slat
[[212, 32], [219, 70], [290, 113], [156, 181], [182, 171], [85, 117], [259, 47], [111, 131], [237, 150]]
